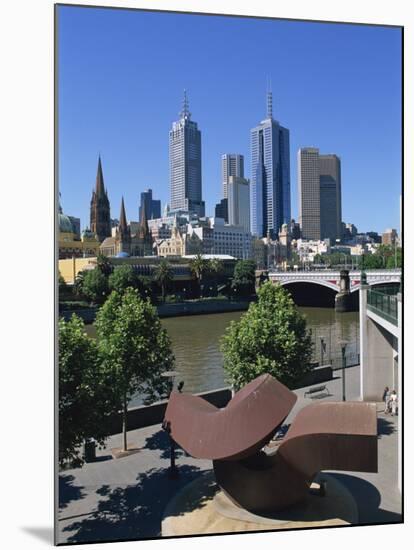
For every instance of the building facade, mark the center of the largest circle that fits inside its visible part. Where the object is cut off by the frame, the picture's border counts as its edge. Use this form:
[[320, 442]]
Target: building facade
[[270, 176], [319, 188], [133, 241], [232, 164], [100, 215], [152, 207], [232, 240], [238, 202], [221, 210], [185, 164]]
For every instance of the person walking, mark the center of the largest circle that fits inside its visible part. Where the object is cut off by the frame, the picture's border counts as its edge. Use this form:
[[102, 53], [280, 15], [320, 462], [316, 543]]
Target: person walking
[[386, 397], [393, 403]]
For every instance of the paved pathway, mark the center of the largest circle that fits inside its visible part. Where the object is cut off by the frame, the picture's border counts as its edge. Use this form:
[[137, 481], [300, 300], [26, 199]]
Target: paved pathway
[[124, 498]]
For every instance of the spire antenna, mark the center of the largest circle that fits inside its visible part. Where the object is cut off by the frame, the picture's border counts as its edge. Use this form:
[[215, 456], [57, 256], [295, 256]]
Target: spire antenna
[[269, 99], [185, 112]]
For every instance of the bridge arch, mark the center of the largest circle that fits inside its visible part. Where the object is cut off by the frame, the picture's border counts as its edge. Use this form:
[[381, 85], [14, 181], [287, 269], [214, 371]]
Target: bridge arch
[[311, 293]]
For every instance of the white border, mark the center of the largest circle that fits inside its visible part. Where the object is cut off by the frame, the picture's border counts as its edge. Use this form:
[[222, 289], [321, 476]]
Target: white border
[[26, 274]]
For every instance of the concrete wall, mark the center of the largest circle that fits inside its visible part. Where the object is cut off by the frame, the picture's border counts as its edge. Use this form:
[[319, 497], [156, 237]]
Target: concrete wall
[[378, 348], [197, 308], [140, 417], [317, 376]]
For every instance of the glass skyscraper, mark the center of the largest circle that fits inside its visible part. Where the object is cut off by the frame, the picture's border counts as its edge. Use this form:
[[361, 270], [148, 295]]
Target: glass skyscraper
[[185, 164], [270, 176]]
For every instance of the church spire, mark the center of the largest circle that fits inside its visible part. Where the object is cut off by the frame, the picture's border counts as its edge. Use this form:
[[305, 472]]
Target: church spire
[[99, 188], [122, 217]]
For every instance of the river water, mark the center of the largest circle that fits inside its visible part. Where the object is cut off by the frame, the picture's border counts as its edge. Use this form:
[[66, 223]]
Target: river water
[[196, 344]]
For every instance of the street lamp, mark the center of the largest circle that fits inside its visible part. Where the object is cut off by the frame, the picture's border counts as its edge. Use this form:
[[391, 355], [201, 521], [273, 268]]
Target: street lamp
[[343, 344], [166, 426], [322, 349]]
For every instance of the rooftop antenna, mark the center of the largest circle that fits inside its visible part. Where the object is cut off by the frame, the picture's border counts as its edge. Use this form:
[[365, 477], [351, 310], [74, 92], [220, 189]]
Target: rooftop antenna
[[185, 113], [269, 99]]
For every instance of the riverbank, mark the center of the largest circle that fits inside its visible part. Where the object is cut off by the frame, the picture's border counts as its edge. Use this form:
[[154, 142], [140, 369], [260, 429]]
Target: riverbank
[[178, 309]]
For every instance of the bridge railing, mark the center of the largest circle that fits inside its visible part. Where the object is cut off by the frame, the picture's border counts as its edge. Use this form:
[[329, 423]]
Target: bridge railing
[[383, 304]]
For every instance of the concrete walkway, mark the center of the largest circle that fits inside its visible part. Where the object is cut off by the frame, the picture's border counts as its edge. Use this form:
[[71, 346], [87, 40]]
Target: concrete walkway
[[117, 499]]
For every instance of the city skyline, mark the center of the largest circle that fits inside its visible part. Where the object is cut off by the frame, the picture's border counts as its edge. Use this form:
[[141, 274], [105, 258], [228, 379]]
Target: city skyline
[[132, 165]]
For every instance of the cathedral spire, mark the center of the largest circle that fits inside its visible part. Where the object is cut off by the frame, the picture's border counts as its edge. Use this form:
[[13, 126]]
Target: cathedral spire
[[99, 188], [122, 217]]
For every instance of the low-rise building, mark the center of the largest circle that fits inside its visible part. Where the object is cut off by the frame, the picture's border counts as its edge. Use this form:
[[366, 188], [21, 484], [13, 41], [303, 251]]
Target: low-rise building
[[233, 240]]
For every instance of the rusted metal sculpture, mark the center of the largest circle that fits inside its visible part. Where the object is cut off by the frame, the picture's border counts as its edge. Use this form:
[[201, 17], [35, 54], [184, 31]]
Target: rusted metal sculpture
[[334, 436]]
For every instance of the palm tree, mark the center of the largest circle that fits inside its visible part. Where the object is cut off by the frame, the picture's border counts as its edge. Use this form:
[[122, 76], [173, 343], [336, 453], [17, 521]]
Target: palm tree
[[164, 275], [198, 267]]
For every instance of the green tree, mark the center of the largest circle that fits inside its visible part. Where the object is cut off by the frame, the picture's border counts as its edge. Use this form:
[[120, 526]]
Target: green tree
[[95, 285], [164, 275], [103, 264], [85, 396], [78, 285], [244, 277], [122, 278], [271, 337], [198, 267], [135, 347]]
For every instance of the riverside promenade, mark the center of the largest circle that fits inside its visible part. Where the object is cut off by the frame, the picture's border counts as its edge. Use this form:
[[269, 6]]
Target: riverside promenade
[[118, 499]]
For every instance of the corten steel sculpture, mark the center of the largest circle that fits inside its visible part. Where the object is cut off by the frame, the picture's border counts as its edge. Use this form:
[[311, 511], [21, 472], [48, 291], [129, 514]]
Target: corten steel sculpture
[[334, 436]]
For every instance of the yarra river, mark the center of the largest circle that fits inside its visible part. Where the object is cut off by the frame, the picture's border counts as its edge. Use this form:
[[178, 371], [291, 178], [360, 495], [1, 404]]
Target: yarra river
[[196, 343]]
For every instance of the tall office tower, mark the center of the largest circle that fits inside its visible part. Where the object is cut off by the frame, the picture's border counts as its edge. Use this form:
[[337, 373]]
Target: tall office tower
[[270, 177], [331, 196], [100, 216], [319, 184], [185, 164], [231, 165], [239, 202], [221, 210], [152, 207]]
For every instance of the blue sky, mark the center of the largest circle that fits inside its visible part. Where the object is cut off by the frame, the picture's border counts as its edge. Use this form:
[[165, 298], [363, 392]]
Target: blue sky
[[121, 77]]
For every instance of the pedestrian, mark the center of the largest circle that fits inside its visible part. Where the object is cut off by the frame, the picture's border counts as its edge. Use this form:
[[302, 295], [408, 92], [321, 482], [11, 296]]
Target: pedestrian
[[393, 403], [386, 397]]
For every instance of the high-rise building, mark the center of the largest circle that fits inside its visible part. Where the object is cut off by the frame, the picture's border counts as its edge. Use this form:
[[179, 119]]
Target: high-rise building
[[100, 215], [331, 195], [152, 207], [185, 164], [238, 202], [232, 164], [270, 176], [389, 237], [319, 186], [221, 210]]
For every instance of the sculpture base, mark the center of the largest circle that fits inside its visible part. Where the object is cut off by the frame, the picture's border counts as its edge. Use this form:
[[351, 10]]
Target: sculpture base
[[202, 508]]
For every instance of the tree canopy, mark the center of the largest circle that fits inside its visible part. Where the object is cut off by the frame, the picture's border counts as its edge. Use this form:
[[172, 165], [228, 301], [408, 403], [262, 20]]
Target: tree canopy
[[271, 337], [94, 285], [85, 392], [122, 277], [164, 275], [244, 277], [135, 347]]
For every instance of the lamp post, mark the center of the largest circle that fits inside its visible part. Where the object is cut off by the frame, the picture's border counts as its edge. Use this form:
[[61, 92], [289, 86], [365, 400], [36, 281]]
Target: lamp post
[[322, 349], [166, 426], [343, 344]]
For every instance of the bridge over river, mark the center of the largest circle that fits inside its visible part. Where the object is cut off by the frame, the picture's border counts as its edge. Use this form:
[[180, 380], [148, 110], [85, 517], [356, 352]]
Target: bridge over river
[[318, 288]]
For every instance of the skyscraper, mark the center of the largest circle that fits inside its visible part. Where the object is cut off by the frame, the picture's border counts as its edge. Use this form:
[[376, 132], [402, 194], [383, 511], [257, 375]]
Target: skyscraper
[[152, 207], [331, 196], [185, 164], [270, 177], [100, 215], [309, 193], [232, 164], [239, 202], [319, 184]]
